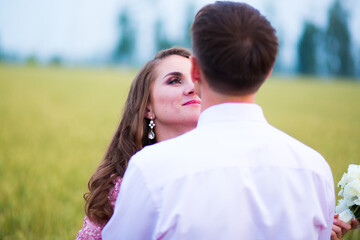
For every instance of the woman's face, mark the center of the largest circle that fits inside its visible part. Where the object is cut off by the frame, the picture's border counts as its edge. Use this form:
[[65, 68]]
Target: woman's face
[[174, 103]]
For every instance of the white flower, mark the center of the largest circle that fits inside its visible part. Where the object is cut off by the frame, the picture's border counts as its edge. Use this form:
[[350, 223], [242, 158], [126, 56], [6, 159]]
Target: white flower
[[346, 216], [341, 192], [352, 192], [353, 173], [343, 181], [342, 206]]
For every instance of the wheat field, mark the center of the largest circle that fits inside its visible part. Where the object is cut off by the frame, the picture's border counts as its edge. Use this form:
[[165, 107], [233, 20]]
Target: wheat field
[[55, 125]]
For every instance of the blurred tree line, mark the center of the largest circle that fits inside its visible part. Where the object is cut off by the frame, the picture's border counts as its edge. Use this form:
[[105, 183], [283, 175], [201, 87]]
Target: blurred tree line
[[327, 51], [319, 51], [126, 44], [124, 52]]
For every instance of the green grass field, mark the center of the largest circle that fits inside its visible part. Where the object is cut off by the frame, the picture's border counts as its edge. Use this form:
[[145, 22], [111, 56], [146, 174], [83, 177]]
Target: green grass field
[[56, 123]]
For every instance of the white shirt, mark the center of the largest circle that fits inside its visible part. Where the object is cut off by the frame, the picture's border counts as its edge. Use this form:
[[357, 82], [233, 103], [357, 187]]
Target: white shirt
[[233, 177]]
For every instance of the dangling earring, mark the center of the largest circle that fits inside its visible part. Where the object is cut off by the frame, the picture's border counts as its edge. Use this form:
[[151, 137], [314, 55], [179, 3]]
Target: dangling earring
[[151, 125]]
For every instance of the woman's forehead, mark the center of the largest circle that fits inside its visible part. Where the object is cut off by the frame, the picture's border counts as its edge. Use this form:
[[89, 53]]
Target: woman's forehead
[[173, 63]]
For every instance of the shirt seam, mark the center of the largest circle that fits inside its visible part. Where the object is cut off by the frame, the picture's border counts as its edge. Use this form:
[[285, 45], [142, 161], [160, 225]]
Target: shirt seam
[[150, 190]]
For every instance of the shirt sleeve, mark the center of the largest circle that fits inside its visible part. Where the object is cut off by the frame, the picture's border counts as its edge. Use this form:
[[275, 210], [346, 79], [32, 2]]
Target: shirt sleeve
[[325, 189], [135, 213]]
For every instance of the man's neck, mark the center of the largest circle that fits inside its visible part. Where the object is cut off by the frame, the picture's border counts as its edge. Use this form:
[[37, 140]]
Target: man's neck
[[211, 98]]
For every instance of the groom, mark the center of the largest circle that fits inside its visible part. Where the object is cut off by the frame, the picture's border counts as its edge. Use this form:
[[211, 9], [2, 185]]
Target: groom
[[234, 176]]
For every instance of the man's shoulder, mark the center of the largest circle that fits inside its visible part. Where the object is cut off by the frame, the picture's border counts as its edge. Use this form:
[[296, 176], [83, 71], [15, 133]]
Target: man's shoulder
[[310, 158], [293, 142], [169, 147], [165, 158]]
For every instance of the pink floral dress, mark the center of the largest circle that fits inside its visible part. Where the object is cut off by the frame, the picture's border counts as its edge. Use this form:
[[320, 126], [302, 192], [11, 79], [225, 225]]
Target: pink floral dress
[[91, 230]]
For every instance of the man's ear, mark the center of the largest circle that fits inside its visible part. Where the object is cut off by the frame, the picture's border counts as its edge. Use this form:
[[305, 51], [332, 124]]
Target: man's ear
[[269, 73], [195, 70]]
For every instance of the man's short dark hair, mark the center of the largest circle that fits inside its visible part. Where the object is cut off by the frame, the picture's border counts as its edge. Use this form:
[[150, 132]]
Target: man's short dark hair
[[235, 46]]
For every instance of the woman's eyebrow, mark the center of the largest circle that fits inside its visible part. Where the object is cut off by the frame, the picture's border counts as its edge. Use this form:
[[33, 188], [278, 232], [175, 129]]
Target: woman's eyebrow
[[173, 74]]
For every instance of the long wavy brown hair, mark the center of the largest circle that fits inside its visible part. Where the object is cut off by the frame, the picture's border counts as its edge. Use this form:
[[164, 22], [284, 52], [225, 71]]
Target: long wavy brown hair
[[130, 136]]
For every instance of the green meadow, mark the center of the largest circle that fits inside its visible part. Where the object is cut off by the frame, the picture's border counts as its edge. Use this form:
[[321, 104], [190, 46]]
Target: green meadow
[[56, 123]]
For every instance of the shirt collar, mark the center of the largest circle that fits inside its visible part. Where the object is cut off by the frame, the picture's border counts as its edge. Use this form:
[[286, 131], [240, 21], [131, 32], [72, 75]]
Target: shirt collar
[[232, 112]]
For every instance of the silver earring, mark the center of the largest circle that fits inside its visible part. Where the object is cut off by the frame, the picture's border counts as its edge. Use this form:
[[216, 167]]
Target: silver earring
[[151, 125]]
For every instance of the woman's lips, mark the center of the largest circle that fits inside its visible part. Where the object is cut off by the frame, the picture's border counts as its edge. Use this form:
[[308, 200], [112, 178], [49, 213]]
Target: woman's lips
[[192, 102]]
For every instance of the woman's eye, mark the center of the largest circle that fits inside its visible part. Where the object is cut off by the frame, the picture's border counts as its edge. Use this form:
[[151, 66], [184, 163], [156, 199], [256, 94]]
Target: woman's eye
[[174, 81]]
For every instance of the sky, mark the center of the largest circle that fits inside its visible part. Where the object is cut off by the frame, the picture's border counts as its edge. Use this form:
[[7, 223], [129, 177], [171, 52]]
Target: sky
[[86, 30]]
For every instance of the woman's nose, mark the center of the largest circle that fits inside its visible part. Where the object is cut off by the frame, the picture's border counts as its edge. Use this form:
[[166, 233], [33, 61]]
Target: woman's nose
[[190, 89]]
